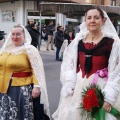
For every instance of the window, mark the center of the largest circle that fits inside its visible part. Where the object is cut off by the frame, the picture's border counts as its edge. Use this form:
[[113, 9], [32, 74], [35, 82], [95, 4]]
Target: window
[[113, 2]]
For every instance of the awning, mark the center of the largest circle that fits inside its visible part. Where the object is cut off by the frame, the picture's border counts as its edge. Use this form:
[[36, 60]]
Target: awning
[[73, 7], [41, 0]]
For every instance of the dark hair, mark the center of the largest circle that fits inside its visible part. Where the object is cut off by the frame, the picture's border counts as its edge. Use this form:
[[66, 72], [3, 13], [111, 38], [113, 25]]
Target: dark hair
[[58, 28], [98, 9], [28, 22], [78, 23], [66, 30], [50, 21]]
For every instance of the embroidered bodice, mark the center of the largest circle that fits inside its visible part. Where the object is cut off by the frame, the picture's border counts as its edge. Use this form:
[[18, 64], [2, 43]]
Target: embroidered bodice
[[99, 58]]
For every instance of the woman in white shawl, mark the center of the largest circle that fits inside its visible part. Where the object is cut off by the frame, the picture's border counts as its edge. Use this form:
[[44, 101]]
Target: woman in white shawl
[[20, 66], [95, 49]]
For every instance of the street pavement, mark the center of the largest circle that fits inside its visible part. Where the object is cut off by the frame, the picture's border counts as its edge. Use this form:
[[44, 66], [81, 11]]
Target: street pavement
[[52, 74]]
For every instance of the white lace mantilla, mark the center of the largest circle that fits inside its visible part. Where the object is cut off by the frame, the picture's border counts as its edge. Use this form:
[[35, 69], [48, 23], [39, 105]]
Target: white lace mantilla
[[37, 65], [15, 50]]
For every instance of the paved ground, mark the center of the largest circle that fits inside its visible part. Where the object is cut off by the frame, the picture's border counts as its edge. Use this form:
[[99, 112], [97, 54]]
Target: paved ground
[[43, 48], [52, 73]]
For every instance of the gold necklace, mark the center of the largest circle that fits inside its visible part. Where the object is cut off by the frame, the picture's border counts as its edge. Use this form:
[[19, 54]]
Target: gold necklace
[[92, 37]]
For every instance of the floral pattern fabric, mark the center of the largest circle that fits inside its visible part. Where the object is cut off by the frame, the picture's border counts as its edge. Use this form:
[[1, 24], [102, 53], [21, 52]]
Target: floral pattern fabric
[[17, 104]]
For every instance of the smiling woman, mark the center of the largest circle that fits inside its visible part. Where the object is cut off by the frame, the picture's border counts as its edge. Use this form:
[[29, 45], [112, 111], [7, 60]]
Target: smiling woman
[[94, 20], [17, 36], [94, 50], [22, 77]]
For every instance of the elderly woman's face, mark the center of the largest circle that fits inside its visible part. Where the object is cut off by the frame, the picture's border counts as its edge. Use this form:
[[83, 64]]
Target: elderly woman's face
[[17, 36], [94, 20]]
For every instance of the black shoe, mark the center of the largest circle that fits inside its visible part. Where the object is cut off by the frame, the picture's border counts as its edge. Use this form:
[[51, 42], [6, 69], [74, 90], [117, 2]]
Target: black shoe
[[60, 59], [52, 49], [47, 49], [57, 59]]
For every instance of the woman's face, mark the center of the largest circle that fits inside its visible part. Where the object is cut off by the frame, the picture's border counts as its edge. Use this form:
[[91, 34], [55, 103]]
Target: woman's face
[[70, 33], [94, 20], [17, 36]]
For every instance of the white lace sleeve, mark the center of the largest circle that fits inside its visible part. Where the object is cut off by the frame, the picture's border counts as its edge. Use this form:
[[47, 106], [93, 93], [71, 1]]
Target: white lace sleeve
[[37, 65], [68, 69], [112, 87]]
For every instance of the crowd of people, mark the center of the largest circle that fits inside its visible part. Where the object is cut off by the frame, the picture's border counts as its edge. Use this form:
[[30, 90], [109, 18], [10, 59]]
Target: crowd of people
[[52, 35], [56, 35], [94, 51]]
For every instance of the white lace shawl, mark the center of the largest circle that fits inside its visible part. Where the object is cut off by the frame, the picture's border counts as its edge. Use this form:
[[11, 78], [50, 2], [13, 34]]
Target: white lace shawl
[[36, 63], [69, 64]]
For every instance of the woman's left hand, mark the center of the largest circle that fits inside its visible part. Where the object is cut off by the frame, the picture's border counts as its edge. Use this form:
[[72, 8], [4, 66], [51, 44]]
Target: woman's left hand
[[35, 92], [107, 106]]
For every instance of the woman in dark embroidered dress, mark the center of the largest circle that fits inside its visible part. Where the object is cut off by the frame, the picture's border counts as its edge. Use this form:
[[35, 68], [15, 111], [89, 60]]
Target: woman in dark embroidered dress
[[89, 53]]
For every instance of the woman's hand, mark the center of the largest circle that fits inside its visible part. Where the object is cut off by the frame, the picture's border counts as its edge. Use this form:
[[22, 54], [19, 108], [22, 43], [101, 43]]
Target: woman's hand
[[35, 92], [107, 106]]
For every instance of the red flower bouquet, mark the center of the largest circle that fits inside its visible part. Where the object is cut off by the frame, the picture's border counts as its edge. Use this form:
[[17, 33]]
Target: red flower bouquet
[[92, 103], [90, 100]]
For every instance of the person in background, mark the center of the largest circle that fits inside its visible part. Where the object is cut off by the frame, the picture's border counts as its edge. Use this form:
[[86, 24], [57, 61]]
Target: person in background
[[2, 38], [67, 28], [50, 29], [66, 36], [34, 28], [58, 41], [33, 32], [30, 21], [71, 35], [65, 43], [38, 26], [22, 78], [44, 33], [77, 29]]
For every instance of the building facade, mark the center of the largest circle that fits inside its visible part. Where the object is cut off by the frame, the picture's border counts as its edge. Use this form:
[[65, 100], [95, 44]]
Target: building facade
[[14, 12], [61, 11]]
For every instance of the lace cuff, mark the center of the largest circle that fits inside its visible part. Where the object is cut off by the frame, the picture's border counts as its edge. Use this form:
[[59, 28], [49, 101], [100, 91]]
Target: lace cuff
[[111, 91], [69, 82], [67, 89], [36, 86]]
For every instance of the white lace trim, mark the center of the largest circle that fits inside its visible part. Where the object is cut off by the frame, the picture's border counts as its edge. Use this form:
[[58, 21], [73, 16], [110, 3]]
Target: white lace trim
[[112, 87], [37, 65], [15, 50]]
